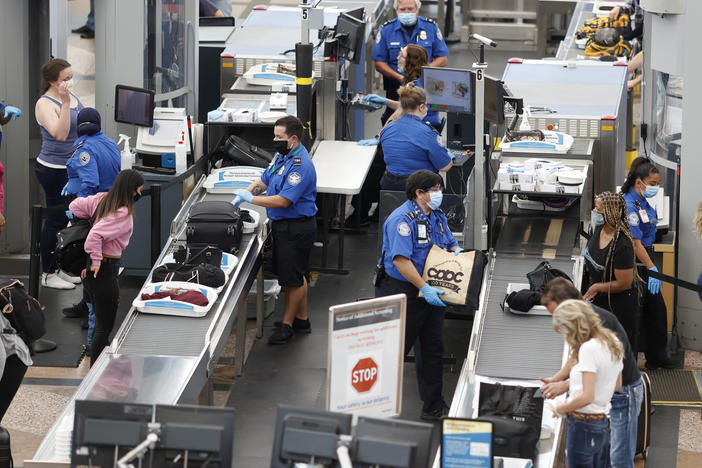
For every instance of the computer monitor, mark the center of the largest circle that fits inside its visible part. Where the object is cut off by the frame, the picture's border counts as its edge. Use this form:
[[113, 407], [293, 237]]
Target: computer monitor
[[301, 434], [494, 100], [349, 34], [391, 442], [448, 89], [134, 106]]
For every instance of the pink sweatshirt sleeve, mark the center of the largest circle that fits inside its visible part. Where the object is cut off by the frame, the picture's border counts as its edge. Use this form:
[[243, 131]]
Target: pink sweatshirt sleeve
[[108, 228], [84, 207]]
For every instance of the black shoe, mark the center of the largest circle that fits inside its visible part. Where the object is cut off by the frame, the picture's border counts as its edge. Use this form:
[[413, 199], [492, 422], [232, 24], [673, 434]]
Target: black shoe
[[375, 217], [79, 310], [667, 363], [88, 35], [441, 411], [84, 324], [282, 335], [351, 223], [82, 30], [300, 326]]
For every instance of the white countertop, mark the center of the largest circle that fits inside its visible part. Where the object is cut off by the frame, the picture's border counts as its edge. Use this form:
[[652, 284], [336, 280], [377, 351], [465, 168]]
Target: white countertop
[[341, 166]]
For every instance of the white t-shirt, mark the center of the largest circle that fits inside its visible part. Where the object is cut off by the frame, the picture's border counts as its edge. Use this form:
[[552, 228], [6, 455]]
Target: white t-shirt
[[595, 357]]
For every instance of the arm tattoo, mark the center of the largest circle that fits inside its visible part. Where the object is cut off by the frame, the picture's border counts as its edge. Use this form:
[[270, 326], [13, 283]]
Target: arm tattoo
[[257, 189]]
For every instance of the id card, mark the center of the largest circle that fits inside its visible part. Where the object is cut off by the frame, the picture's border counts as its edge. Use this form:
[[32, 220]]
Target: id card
[[643, 215], [422, 232]]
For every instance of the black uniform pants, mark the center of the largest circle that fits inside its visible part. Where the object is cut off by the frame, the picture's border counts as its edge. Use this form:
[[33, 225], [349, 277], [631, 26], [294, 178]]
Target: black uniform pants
[[370, 192], [425, 324], [103, 292], [12, 376], [654, 323], [393, 182], [624, 306], [391, 86]]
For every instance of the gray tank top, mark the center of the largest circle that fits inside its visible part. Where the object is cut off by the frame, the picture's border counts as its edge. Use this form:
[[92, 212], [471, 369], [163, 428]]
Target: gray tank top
[[56, 152]]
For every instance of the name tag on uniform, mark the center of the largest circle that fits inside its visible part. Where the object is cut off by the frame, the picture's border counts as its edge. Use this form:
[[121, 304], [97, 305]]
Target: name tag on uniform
[[422, 237], [643, 215], [394, 43]]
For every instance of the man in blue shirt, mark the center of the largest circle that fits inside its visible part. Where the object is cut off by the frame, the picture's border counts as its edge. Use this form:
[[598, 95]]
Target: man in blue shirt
[[290, 183], [408, 235], [407, 28]]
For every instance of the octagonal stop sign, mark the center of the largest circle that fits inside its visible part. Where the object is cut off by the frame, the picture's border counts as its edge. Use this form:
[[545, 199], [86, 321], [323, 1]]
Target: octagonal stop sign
[[364, 375]]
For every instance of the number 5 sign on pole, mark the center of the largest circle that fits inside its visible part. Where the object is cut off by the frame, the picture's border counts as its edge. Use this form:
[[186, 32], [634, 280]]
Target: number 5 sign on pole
[[366, 352]]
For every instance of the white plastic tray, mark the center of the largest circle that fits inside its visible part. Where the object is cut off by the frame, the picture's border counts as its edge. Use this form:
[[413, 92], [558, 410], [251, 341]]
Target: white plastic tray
[[536, 310], [251, 227], [228, 179], [167, 306], [555, 143]]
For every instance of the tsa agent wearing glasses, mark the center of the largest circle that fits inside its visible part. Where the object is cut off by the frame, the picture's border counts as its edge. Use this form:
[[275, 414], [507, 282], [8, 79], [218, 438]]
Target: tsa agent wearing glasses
[[408, 235], [290, 183]]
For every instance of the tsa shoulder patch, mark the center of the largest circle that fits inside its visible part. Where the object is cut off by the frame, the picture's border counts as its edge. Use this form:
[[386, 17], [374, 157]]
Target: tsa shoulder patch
[[294, 178], [84, 158], [404, 229], [633, 219], [377, 39]]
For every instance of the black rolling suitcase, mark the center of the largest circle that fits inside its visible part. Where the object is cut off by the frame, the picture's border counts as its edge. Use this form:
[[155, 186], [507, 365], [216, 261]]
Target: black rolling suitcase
[[643, 437], [216, 223], [5, 453]]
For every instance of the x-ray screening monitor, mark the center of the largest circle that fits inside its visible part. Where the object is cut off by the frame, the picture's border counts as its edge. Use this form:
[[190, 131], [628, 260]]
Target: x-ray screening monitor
[[448, 89]]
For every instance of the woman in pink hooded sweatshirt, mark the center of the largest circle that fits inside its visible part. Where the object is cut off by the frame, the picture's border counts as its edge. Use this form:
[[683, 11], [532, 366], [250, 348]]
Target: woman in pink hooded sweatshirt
[[107, 239]]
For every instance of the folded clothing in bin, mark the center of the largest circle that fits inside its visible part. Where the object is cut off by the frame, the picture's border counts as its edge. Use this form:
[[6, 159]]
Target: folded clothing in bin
[[182, 295]]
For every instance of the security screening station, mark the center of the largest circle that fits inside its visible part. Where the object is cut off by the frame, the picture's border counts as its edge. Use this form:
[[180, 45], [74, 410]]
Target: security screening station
[[363, 233]]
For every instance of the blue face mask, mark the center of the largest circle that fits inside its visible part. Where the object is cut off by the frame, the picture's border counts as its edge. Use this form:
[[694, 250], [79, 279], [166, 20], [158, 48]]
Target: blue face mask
[[597, 218], [436, 199], [651, 191], [407, 19]]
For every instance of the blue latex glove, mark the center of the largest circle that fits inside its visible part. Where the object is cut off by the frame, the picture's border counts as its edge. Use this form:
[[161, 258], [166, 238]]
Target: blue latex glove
[[69, 214], [13, 111], [654, 285], [376, 99], [237, 201], [64, 191], [457, 251], [431, 295], [368, 142], [244, 195]]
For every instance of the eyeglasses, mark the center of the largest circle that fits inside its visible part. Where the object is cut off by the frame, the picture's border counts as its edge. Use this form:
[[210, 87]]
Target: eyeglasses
[[436, 188]]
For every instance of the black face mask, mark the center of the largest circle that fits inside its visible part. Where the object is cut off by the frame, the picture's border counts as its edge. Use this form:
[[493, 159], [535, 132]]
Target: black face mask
[[281, 146], [137, 196]]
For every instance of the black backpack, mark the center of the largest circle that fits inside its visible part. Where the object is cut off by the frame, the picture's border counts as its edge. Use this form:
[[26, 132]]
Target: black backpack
[[205, 274], [70, 246], [25, 314]]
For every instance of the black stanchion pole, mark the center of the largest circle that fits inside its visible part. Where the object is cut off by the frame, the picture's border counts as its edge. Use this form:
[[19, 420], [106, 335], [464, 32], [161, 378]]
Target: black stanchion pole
[[155, 222], [34, 251]]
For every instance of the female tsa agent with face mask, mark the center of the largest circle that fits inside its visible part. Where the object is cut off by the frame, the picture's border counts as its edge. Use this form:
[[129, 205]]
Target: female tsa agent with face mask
[[56, 112], [610, 263], [641, 184], [408, 235], [409, 143]]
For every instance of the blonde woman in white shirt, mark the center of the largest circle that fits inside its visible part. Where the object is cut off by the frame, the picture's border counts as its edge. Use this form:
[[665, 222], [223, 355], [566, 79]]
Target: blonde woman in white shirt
[[596, 373]]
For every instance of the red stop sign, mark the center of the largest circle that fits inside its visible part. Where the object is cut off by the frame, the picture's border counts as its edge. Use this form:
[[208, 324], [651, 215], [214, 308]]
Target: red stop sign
[[364, 375]]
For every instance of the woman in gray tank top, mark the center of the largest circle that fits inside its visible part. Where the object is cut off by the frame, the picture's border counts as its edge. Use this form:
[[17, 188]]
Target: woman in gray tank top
[[56, 112]]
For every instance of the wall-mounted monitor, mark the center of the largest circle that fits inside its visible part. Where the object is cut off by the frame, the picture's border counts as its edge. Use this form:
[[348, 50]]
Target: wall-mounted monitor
[[134, 106]]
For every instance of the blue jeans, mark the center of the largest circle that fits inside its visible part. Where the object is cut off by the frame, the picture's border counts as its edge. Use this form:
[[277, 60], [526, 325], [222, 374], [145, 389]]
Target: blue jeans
[[90, 22], [52, 181], [626, 406], [587, 443], [91, 323]]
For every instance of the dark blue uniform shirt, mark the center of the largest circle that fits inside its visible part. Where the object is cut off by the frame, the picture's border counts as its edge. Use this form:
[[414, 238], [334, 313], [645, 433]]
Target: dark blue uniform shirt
[[94, 165], [401, 236], [392, 37], [644, 231], [410, 145], [292, 177]]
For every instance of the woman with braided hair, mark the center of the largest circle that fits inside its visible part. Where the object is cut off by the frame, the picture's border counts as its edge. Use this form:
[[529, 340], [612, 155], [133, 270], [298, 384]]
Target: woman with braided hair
[[610, 265]]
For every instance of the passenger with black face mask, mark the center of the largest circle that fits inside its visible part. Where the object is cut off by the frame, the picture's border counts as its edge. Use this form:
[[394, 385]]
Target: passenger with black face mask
[[290, 183]]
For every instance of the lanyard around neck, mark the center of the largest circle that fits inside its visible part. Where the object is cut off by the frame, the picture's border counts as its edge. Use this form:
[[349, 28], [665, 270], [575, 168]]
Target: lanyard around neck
[[286, 159]]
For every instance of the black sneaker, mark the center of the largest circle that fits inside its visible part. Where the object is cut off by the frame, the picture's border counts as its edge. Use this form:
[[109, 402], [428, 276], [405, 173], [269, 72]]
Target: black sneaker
[[667, 363], [441, 411], [79, 310], [282, 335], [300, 326], [82, 30]]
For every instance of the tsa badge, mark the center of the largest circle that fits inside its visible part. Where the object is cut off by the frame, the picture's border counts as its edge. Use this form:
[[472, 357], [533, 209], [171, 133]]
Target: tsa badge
[[423, 35]]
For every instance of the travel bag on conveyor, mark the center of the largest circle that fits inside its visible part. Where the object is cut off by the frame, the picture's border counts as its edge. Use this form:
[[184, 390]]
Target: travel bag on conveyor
[[643, 436], [215, 223]]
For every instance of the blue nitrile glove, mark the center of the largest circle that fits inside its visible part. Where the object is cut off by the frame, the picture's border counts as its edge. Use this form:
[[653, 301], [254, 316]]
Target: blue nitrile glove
[[64, 190], [376, 99], [431, 295], [654, 285], [237, 201], [457, 251], [13, 111], [244, 195], [368, 142], [69, 214], [215, 114]]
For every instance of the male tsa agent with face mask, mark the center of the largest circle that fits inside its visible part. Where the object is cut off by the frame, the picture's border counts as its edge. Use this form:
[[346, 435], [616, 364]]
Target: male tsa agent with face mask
[[408, 235], [407, 28]]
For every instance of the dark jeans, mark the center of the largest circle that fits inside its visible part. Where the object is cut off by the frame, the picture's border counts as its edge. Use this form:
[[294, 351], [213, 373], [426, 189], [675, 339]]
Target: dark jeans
[[11, 380], [587, 443], [425, 323], [52, 181], [624, 306], [104, 296], [654, 323]]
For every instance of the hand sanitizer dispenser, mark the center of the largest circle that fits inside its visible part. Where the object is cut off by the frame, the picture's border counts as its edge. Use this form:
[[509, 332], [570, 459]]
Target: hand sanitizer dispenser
[[127, 156]]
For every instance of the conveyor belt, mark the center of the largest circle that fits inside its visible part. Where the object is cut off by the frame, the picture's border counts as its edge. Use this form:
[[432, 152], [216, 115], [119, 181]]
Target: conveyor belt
[[538, 234], [516, 346]]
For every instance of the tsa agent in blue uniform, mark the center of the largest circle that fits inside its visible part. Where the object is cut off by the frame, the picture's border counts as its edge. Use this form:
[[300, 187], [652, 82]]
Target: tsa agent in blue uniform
[[410, 144], [642, 183], [290, 183], [407, 28], [408, 235]]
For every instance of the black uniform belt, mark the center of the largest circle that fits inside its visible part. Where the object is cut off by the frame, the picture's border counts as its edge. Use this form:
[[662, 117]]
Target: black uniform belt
[[392, 176], [292, 220]]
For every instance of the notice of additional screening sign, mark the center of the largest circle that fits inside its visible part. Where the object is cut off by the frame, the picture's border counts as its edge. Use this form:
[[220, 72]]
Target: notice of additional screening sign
[[365, 356], [466, 443]]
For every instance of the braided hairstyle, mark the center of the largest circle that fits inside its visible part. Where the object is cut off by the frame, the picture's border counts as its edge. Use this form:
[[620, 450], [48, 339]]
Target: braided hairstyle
[[615, 214]]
